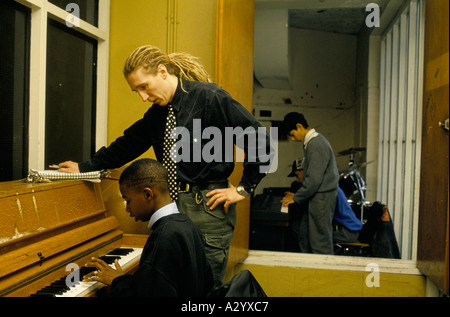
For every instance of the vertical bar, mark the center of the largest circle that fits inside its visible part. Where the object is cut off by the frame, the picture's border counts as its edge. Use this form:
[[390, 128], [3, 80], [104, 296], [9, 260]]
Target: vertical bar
[[38, 68], [169, 48], [175, 23], [101, 130], [400, 171], [411, 109], [219, 42], [386, 119], [420, 6], [393, 122], [172, 7], [381, 116]]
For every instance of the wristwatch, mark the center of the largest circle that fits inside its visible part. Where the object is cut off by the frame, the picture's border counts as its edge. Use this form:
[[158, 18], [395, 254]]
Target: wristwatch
[[241, 191]]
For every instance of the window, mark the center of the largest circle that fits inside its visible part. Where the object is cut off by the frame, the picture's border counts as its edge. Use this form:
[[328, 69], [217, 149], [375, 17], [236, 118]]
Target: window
[[14, 71], [54, 101], [400, 123], [88, 9], [70, 95]]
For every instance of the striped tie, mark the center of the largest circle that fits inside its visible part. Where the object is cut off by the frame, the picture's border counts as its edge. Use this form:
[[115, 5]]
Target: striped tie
[[169, 154]]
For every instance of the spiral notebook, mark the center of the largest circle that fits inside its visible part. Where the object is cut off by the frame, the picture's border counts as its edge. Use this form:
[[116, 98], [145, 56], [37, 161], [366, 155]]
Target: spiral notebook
[[51, 175]]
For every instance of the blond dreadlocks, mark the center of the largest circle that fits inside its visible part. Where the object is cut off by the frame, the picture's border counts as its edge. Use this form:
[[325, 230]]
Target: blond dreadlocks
[[182, 65]]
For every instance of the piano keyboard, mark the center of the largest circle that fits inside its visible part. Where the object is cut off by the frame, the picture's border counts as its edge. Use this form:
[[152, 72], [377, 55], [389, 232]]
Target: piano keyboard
[[126, 257]]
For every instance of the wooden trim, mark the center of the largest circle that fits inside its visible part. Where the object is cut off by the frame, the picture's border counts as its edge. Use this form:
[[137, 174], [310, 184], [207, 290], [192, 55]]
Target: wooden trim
[[234, 73], [433, 231], [330, 262], [219, 42], [23, 257]]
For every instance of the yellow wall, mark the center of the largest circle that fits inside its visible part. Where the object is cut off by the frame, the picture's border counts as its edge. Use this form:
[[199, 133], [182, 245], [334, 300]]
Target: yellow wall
[[142, 22], [182, 26], [303, 275]]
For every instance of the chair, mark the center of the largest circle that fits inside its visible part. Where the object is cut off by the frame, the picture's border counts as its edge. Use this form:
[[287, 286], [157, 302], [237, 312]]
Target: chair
[[242, 284], [379, 233], [351, 248]]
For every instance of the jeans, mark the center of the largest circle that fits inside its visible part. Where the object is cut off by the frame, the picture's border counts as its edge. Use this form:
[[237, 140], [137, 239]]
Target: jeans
[[216, 226]]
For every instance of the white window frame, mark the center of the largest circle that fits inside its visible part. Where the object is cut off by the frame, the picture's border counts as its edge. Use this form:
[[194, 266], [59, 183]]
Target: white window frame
[[41, 10]]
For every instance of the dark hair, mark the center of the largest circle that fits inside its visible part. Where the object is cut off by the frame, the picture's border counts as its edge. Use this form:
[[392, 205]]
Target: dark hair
[[145, 173], [292, 119]]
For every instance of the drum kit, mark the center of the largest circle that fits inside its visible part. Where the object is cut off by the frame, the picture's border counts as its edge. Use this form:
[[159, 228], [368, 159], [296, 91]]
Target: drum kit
[[352, 182]]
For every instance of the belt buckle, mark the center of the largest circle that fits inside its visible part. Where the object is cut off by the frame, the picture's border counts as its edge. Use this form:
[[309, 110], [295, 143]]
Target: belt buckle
[[185, 190], [198, 199]]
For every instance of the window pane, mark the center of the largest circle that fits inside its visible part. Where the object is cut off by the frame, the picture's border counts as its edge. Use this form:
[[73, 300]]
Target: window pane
[[70, 95], [88, 9], [14, 70]]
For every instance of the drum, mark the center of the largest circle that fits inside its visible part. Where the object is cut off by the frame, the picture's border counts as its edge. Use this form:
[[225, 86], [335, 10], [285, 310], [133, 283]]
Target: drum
[[348, 184], [353, 185]]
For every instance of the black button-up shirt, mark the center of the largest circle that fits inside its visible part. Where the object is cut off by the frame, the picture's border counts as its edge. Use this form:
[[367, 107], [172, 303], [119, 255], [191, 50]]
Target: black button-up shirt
[[211, 121]]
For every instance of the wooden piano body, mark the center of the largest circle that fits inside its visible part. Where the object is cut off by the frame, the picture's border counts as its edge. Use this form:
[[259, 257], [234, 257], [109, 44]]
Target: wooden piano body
[[44, 227]]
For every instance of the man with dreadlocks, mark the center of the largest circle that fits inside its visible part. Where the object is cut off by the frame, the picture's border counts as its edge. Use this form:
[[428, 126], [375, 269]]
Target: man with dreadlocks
[[182, 95]]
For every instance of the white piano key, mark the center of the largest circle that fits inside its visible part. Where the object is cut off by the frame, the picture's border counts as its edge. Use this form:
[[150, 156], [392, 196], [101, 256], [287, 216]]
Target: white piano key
[[84, 288]]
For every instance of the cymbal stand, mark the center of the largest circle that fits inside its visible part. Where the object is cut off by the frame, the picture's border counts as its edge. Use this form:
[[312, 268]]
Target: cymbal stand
[[361, 187]]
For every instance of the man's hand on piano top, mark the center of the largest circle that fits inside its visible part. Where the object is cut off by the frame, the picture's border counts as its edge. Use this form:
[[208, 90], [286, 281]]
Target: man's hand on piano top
[[104, 274], [288, 199], [68, 167]]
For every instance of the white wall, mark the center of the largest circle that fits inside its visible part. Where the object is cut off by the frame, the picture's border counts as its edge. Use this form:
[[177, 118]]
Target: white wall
[[368, 83], [323, 79]]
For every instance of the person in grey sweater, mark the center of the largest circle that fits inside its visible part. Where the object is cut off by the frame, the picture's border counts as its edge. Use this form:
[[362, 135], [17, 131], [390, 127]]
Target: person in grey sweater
[[319, 188]]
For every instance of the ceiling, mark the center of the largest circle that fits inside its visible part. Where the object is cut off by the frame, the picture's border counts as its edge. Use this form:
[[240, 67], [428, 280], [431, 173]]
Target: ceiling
[[336, 16], [335, 20]]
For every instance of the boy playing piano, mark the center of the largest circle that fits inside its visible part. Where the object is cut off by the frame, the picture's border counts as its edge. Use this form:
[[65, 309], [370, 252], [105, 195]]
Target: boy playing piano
[[173, 262]]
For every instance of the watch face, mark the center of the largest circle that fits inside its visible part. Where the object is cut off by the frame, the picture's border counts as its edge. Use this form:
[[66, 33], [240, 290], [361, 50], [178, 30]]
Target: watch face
[[240, 189]]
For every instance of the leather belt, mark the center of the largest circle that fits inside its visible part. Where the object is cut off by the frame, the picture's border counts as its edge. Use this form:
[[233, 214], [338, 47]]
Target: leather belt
[[184, 187]]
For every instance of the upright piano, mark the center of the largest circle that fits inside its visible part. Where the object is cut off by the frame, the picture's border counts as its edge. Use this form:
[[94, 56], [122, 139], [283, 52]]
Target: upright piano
[[50, 230]]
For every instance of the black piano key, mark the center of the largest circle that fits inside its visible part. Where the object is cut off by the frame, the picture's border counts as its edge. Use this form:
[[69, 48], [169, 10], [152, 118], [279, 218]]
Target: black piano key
[[120, 251], [60, 283], [109, 259], [54, 291], [43, 294], [86, 270]]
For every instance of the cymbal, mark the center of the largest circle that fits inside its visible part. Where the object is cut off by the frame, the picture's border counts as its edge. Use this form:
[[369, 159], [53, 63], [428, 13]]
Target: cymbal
[[363, 164], [354, 168], [352, 151]]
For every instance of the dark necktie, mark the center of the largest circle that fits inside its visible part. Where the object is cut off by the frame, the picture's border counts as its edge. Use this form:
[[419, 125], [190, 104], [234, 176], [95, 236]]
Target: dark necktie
[[169, 154]]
